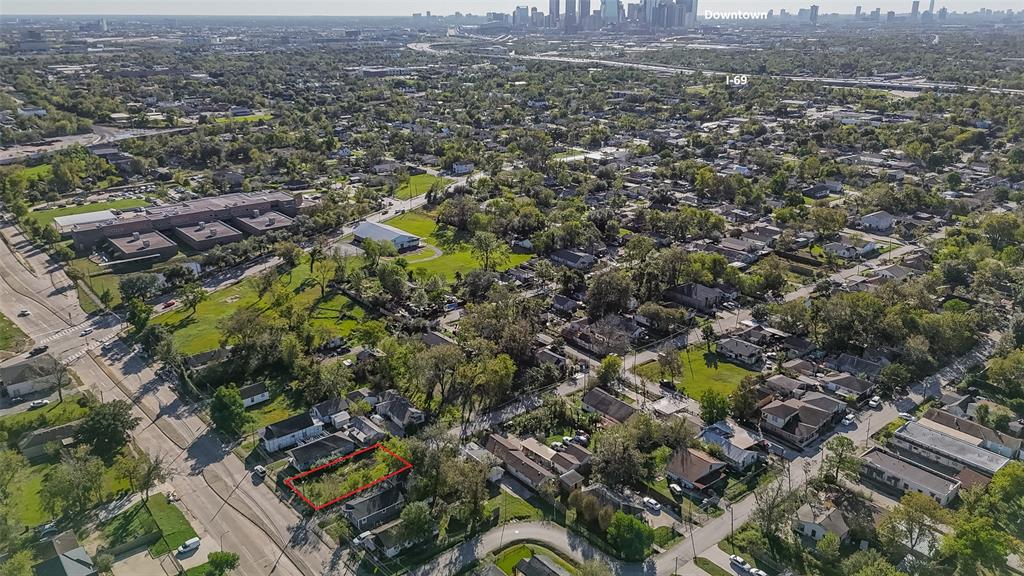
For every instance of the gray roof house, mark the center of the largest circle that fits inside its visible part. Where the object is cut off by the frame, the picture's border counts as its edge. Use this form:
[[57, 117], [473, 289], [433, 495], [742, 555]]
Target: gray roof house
[[63, 556], [376, 231]]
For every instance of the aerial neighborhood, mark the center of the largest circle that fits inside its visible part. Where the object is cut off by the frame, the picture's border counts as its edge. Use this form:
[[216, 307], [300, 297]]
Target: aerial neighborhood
[[513, 294]]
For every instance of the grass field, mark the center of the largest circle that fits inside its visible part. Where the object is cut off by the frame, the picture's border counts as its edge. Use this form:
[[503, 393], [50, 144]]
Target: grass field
[[42, 171], [249, 118], [511, 508], [417, 186], [172, 523], [710, 567], [194, 333], [17, 425], [29, 482], [507, 559], [274, 410], [456, 257], [702, 370], [45, 217], [347, 476], [12, 339]]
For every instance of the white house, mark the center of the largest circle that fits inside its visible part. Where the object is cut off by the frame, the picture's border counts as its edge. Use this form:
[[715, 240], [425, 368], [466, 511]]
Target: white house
[[462, 168], [290, 432], [816, 521], [254, 394], [880, 221]]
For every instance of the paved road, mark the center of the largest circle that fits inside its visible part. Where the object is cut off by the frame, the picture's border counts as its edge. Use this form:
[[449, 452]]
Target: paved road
[[99, 135]]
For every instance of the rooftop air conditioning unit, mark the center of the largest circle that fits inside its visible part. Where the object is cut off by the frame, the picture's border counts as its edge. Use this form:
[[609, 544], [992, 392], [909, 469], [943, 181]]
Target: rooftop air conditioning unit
[[202, 225], [145, 243], [213, 232], [255, 212], [271, 221], [135, 236]]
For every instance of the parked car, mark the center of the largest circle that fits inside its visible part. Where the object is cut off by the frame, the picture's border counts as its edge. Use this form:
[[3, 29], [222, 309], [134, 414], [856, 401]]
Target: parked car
[[48, 529], [652, 503], [758, 572], [259, 471], [189, 545], [38, 403], [875, 402], [907, 416], [849, 419], [675, 489], [17, 400], [169, 303], [557, 446], [24, 313], [739, 561]]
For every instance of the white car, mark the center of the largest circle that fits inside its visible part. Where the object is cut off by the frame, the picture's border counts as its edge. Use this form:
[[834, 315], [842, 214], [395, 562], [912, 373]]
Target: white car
[[38, 403], [259, 471], [652, 504], [86, 332], [739, 561], [24, 313], [875, 402], [675, 489], [907, 416], [849, 419], [758, 572], [189, 545]]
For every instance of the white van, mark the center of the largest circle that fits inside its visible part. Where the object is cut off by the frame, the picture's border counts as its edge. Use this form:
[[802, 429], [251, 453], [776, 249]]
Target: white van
[[189, 545]]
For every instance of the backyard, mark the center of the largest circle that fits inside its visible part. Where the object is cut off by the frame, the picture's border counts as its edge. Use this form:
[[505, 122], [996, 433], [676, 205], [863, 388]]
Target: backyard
[[199, 332], [700, 371], [417, 185], [142, 519], [456, 256]]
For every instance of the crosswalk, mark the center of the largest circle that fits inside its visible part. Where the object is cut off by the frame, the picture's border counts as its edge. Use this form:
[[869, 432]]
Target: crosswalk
[[61, 334]]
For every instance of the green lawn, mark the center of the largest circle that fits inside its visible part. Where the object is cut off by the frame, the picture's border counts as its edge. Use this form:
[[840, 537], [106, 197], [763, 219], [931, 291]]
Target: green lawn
[[45, 217], [172, 523], [249, 118], [702, 370], [346, 476], [12, 339], [29, 482], [511, 508], [55, 414], [710, 567], [274, 410], [128, 525], [198, 570], [508, 559], [417, 186], [456, 257], [194, 333], [42, 171]]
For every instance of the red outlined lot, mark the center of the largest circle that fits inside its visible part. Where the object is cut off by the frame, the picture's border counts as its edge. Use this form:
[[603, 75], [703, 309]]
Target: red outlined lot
[[290, 482]]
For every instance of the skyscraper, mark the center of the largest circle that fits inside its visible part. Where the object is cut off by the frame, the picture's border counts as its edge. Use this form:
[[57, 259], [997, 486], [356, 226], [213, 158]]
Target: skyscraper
[[931, 6], [814, 14], [521, 17], [553, 13], [610, 11], [570, 15], [584, 17], [915, 9], [857, 13]]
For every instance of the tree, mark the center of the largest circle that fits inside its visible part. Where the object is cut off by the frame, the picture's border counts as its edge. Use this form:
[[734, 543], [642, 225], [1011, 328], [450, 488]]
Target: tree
[[976, 542], [11, 463], [20, 564], [609, 292], [227, 410], [771, 511], [840, 458], [610, 371], [140, 285], [714, 406], [828, 548], [74, 485], [827, 221], [289, 252], [103, 563], [417, 521], [744, 398], [630, 536], [911, 522], [107, 428], [192, 295], [142, 472], [393, 280], [490, 250], [61, 379], [707, 331], [138, 314], [867, 563], [221, 563], [264, 281], [618, 460]]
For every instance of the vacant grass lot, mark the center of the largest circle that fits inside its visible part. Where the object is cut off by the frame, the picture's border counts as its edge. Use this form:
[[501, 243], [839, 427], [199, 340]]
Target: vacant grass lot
[[702, 370], [12, 339], [346, 476], [46, 216], [14, 426], [143, 518], [456, 257], [194, 333], [417, 186], [511, 507], [249, 118]]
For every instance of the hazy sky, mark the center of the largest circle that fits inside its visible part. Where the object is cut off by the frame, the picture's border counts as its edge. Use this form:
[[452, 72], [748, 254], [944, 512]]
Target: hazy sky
[[404, 7]]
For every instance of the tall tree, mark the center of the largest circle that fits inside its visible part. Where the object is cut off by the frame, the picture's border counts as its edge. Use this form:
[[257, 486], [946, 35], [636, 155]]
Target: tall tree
[[609, 292], [630, 536], [489, 250], [227, 410], [220, 563], [74, 485], [107, 428], [714, 406], [911, 523], [192, 295], [840, 459]]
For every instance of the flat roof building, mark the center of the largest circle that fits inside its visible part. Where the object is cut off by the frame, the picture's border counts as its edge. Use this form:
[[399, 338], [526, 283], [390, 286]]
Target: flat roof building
[[142, 245], [400, 239], [258, 223], [907, 476], [206, 235], [947, 450]]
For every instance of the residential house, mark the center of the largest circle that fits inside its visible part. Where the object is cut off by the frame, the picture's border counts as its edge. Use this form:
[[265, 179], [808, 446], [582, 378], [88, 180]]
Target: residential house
[[904, 475], [611, 408], [695, 470], [549, 356], [374, 507], [431, 339], [915, 440], [254, 394], [849, 247], [694, 295], [814, 521], [740, 350], [290, 432], [880, 221], [794, 421], [565, 304], [607, 497], [516, 463], [399, 411], [786, 387], [848, 385], [857, 366], [364, 431], [737, 458], [28, 376], [333, 411], [539, 565], [574, 259], [63, 556], [33, 445], [321, 451]]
